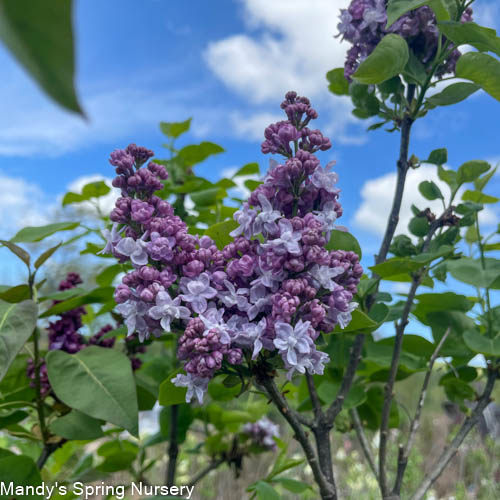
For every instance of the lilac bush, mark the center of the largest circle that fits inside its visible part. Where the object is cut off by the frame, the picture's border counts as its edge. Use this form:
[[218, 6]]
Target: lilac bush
[[363, 24], [269, 293]]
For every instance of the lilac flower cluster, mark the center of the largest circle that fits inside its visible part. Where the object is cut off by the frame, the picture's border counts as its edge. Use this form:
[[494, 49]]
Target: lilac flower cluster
[[270, 292], [64, 335], [364, 22], [262, 433]]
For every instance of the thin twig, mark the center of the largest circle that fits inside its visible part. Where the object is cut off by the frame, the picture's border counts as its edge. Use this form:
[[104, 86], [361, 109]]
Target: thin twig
[[363, 441], [406, 449], [327, 490], [396, 354], [209, 468], [403, 167], [316, 403], [449, 451]]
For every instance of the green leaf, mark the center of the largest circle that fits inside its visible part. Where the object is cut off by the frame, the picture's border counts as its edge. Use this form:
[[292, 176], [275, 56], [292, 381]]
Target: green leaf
[[170, 394], [438, 157], [106, 277], [15, 294], [185, 417], [360, 322], [265, 491], [480, 183], [482, 69], [118, 455], [478, 197], [454, 93], [430, 190], [40, 36], [38, 233], [98, 382], [471, 170], [292, 484], [208, 197], [92, 190], [482, 344], [482, 38], [196, 153], [18, 251], [338, 83], [388, 59], [397, 8], [471, 271], [17, 322], [342, 240], [77, 425], [175, 129], [46, 255], [415, 71], [220, 232], [395, 267], [248, 169], [18, 470], [96, 296]]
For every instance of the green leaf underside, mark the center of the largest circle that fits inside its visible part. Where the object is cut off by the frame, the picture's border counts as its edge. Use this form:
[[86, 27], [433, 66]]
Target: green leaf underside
[[106, 387], [41, 38], [17, 322]]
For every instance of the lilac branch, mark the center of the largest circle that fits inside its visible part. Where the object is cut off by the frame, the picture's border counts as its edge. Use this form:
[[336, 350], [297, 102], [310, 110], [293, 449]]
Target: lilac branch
[[363, 441], [406, 449], [449, 451]]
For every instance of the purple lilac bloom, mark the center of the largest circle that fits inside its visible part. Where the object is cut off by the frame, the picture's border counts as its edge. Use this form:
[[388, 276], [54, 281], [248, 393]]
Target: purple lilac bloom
[[245, 300], [167, 310], [263, 433], [196, 386], [364, 22]]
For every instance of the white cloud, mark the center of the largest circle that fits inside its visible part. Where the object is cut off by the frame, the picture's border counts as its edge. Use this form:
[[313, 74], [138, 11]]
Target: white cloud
[[21, 204], [289, 45], [377, 195]]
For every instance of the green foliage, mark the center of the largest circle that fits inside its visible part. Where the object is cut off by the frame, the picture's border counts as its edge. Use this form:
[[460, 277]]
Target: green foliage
[[39, 233], [396, 8], [77, 425], [342, 240], [483, 39], [453, 94], [89, 191], [387, 60], [482, 69], [19, 470], [46, 54], [430, 190], [173, 130], [337, 82], [17, 322], [169, 394], [106, 388], [197, 153]]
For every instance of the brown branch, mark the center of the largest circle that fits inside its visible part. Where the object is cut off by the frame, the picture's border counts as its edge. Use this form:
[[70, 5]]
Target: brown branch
[[396, 354], [403, 167], [327, 490], [173, 448], [316, 403], [405, 451], [449, 451], [363, 441]]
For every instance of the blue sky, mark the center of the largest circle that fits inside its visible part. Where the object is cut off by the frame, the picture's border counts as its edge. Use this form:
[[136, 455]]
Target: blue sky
[[227, 64]]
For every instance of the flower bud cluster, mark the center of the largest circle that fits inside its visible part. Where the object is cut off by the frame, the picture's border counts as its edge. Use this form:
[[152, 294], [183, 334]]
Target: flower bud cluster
[[364, 22], [270, 292]]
